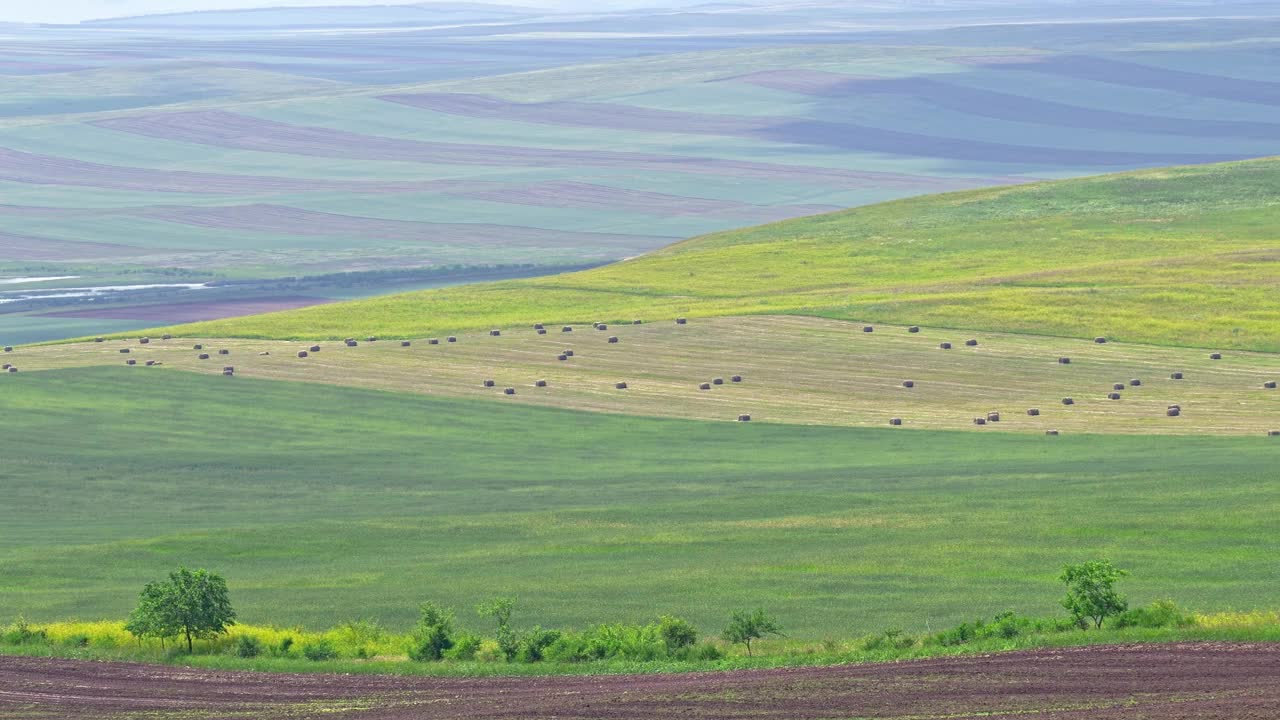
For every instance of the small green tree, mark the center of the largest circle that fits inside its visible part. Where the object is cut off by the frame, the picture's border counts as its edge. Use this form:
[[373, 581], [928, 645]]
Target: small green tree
[[190, 604], [676, 633], [1091, 592], [433, 634], [500, 610], [746, 626]]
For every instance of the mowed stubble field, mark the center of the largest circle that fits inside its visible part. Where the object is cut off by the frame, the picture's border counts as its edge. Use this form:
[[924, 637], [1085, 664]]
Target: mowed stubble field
[[794, 370], [321, 503]]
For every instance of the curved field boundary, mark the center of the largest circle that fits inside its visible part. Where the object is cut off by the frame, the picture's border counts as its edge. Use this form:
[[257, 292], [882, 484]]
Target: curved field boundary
[[1205, 681], [225, 129]]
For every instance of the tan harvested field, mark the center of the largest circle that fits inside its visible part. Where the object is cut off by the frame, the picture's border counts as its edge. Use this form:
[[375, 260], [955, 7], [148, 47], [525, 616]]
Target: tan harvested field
[[1205, 681], [795, 370]]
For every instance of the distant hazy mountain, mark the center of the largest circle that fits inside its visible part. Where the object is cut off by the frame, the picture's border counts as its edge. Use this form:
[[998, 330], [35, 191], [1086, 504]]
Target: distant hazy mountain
[[327, 16]]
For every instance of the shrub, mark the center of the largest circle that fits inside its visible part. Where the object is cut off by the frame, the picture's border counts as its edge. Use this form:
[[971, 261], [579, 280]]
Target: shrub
[[500, 609], [78, 640], [248, 646], [534, 643], [285, 646], [676, 633], [358, 637], [24, 633], [319, 650], [489, 651], [1159, 614], [433, 635], [701, 651], [465, 647]]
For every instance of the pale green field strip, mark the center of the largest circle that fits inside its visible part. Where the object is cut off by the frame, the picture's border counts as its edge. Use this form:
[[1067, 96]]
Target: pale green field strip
[[795, 370]]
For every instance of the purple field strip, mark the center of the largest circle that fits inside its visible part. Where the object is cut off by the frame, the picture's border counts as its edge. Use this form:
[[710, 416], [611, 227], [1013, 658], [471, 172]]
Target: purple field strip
[[32, 169], [1004, 106], [1118, 72], [224, 129], [794, 131], [568, 194], [295, 221], [26, 248]]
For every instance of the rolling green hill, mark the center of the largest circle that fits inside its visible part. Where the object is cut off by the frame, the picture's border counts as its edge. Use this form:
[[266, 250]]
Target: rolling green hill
[[322, 504], [1183, 256]]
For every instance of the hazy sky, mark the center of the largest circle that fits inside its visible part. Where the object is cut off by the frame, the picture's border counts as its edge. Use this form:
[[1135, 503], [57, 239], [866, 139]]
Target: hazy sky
[[69, 11]]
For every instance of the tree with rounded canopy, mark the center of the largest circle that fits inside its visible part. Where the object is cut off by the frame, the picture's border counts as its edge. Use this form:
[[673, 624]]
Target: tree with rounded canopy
[[192, 604], [1091, 592], [746, 626]]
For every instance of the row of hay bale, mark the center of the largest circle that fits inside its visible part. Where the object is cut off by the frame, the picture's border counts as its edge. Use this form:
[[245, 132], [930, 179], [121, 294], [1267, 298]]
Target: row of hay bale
[[719, 381]]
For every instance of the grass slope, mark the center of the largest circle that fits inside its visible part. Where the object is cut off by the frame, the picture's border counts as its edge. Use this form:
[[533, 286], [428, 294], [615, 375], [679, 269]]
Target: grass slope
[[320, 505], [1181, 256]]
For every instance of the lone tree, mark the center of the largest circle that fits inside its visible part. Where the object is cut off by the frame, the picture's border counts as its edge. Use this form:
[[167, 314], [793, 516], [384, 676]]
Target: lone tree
[[433, 634], [500, 610], [1091, 592], [746, 626], [192, 604]]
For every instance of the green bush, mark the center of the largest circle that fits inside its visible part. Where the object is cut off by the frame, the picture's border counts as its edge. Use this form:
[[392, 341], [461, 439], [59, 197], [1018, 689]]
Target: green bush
[[433, 635], [285, 646], [319, 650], [79, 640], [676, 632], [24, 633], [465, 647], [248, 646], [702, 651], [1159, 614], [534, 644]]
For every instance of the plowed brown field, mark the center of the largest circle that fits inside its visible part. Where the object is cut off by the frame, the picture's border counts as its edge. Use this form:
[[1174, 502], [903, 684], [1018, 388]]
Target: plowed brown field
[[1171, 682]]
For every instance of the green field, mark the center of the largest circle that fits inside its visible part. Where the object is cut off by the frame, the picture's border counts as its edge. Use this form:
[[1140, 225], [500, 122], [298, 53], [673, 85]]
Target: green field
[[1180, 256], [325, 504]]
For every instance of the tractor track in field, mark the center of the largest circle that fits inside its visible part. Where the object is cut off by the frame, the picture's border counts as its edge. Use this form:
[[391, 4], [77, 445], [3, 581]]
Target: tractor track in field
[[1180, 681]]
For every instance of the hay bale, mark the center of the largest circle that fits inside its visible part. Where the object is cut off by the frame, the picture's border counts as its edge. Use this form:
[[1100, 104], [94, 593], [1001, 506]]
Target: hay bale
[[141, 341], [613, 340], [6, 366], [993, 416], [509, 391], [682, 321], [1064, 361], [348, 340], [566, 328], [1113, 396], [635, 322], [433, 341], [895, 421], [1135, 382], [736, 378], [979, 421], [314, 348], [302, 353], [1270, 384], [602, 326], [405, 343], [228, 373], [744, 418], [569, 353], [150, 363], [620, 386], [352, 343], [1050, 432], [1175, 407], [1033, 412], [1068, 401], [166, 337], [372, 338], [1273, 433], [1215, 356], [98, 340], [130, 361], [228, 367], [1175, 376], [1118, 386], [868, 328], [124, 350], [13, 369], [202, 356], [562, 357], [495, 333], [539, 383], [489, 383], [1100, 340], [913, 329], [542, 331], [717, 381], [224, 351], [1173, 412], [971, 343], [538, 326], [263, 353], [945, 345], [704, 386], [197, 346], [451, 338]]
